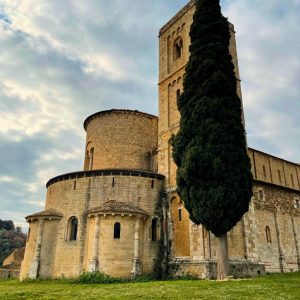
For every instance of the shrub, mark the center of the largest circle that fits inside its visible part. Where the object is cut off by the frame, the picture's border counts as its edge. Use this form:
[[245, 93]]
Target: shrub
[[96, 277], [144, 278]]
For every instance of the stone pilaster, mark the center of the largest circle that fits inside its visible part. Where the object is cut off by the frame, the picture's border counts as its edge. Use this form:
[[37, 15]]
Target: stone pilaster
[[136, 267], [94, 263], [281, 257], [35, 265]]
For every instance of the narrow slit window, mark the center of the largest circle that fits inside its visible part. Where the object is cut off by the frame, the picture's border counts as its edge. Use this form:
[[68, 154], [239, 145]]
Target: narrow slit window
[[28, 234], [177, 96], [152, 184], [91, 159], [261, 195], [154, 230], [113, 182], [268, 234], [74, 185], [87, 163], [117, 230], [73, 229], [180, 214], [264, 171], [297, 203]]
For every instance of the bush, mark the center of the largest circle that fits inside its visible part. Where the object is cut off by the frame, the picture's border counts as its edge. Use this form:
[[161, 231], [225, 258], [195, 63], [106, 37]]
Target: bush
[[144, 278], [96, 277]]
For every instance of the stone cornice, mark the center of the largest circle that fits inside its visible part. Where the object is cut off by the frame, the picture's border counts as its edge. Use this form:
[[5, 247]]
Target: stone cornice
[[117, 208], [45, 214], [116, 111], [105, 172], [290, 189], [276, 157], [172, 189], [185, 9]]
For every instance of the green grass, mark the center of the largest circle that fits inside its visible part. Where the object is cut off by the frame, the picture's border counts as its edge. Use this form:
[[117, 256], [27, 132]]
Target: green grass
[[277, 286]]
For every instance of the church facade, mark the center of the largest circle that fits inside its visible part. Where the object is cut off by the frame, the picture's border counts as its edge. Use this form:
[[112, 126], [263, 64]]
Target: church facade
[[122, 216]]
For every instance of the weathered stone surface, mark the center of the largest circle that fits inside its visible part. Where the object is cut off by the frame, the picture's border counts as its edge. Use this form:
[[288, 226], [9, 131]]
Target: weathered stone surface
[[14, 260], [208, 269], [120, 139], [276, 180], [125, 154]]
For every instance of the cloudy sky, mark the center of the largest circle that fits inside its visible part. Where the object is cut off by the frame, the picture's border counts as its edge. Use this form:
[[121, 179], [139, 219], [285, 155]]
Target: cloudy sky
[[61, 61]]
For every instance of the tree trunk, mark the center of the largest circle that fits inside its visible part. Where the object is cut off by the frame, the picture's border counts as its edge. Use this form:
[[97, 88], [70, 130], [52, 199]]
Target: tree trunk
[[222, 255]]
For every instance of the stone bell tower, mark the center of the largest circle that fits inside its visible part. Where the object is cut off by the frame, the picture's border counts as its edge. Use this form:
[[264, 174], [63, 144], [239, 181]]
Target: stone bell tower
[[174, 42]]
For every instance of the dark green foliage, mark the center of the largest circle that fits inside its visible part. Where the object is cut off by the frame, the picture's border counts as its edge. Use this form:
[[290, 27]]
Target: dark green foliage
[[96, 277], [10, 238], [213, 177], [7, 225], [144, 278]]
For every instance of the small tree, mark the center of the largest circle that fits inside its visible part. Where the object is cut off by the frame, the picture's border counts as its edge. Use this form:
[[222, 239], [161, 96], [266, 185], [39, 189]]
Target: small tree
[[214, 175], [11, 237]]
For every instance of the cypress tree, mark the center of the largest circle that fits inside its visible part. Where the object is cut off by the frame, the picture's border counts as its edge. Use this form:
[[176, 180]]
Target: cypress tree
[[214, 177]]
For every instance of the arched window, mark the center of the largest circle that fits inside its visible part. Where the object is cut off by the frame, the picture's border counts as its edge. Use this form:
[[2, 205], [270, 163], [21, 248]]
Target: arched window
[[264, 171], [177, 49], [73, 225], [152, 184], [154, 230], [268, 234], [28, 234], [260, 195], [117, 230], [91, 158]]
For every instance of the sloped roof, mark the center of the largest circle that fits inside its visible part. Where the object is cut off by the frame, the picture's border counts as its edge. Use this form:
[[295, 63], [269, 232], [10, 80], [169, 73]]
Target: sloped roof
[[46, 213], [116, 207]]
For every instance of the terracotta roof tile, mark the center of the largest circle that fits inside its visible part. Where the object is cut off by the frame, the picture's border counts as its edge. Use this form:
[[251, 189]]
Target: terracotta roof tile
[[46, 213], [118, 207]]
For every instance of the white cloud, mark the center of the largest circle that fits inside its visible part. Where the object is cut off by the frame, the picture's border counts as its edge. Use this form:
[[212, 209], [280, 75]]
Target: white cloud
[[6, 179], [39, 203], [268, 41], [63, 60]]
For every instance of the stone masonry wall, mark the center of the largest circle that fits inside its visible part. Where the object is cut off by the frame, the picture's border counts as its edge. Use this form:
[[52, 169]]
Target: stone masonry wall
[[274, 207], [171, 73], [121, 140], [270, 169], [116, 255], [30, 249], [62, 257]]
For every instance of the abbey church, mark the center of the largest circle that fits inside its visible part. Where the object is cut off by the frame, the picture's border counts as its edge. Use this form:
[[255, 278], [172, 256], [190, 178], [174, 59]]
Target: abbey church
[[121, 214]]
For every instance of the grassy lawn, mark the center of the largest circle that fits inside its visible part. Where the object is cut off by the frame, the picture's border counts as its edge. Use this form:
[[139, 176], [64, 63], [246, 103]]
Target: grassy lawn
[[277, 286]]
